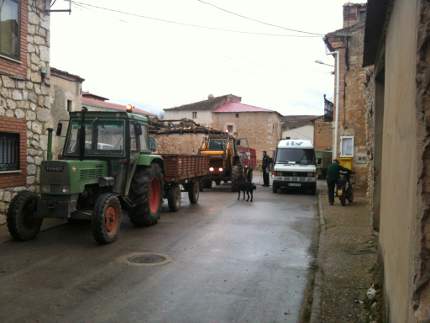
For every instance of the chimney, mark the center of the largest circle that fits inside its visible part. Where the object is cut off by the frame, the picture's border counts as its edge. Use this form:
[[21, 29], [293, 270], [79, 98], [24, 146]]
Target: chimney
[[353, 13]]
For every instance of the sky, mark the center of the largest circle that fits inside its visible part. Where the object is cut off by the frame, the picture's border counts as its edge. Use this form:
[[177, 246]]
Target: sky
[[156, 64]]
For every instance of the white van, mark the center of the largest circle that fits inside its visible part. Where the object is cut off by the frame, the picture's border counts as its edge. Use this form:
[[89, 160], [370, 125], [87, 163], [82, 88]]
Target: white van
[[294, 166]]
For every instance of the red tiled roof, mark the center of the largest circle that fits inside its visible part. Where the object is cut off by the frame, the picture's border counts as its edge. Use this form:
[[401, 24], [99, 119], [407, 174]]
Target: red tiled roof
[[111, 106], [240, 107]]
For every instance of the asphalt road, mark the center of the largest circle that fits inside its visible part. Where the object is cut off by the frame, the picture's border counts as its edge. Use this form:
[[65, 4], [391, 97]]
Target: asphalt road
[[228, 261]]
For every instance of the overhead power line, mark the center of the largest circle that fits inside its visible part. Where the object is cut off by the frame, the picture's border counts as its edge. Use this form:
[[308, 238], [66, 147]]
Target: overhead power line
[[257, 20], [174, 22]]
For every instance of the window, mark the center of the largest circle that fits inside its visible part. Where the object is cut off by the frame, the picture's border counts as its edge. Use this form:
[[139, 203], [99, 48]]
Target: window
[[237, 115], [9, 151], [100, 137], [9, 28], [230, 128], [194, 115], [346, 146], [144, 139]]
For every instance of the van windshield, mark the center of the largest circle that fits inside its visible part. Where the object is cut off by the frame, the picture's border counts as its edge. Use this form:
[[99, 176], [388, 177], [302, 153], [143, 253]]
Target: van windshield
[[296, 156]]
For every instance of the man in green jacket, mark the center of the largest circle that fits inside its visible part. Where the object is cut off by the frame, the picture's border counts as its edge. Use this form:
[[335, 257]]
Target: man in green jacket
[[332, 178]]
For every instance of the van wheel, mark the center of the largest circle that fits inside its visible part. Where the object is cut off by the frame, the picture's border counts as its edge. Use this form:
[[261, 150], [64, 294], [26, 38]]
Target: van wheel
[[275, 187]]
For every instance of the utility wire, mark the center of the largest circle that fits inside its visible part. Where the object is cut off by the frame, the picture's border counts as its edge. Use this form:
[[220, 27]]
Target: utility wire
[[174, 22], [256, 20]]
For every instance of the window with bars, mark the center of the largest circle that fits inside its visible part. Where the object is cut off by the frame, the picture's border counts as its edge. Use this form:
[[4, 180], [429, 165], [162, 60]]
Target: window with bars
[[9, 151], [9, 28]]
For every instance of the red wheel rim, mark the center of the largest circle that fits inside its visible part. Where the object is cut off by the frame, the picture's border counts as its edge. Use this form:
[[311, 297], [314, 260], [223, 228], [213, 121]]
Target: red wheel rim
[[111, 219], [155, 196]]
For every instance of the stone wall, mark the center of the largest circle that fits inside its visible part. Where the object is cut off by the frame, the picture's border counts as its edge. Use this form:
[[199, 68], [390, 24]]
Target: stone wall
[[323, 135], [262, 129], [24, 97], [352, 100]]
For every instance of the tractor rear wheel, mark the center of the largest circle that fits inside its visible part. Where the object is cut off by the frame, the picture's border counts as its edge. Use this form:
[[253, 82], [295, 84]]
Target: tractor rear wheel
[[194, 192], [106, 219], [174, 198], [22, 222], [146, 191]]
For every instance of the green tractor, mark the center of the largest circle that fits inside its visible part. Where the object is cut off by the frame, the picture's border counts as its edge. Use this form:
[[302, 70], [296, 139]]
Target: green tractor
[[106, 166]]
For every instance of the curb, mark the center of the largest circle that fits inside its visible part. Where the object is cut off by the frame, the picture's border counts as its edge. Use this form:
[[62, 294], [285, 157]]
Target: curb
[[315, 316]]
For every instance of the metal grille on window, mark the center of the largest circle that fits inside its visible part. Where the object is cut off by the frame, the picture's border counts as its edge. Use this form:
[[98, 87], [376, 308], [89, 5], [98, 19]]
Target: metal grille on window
[[9, 151]]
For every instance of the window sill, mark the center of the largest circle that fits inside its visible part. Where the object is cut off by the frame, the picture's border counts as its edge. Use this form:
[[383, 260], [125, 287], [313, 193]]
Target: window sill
[[10, 59], [10, 172]]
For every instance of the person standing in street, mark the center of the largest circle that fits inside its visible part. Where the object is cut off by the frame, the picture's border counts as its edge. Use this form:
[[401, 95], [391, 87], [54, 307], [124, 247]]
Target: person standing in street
[[266, 168], [332, 178]]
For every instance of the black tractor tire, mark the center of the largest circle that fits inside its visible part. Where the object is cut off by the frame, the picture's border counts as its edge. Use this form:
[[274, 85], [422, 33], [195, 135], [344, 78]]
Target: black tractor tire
[[146, 193], [174, 198], [21, 216], [194, 192], [106, 219], [275, 187], [236, 174]]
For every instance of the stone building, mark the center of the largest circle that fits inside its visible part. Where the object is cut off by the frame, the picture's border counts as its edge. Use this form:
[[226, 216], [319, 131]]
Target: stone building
[[24, 95], [65, 92], [397, 46], [262, 127], [352, 123], [323, 134], [299, 127]]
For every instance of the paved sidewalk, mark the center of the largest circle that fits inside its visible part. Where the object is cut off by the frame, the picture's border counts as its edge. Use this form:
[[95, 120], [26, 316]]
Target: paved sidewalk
[[346, 259]]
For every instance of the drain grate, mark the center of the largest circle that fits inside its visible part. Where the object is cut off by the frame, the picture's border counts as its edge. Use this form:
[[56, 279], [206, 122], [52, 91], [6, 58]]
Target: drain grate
[[147, 259]]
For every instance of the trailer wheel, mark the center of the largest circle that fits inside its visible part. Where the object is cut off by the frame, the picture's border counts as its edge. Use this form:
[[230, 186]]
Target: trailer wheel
[[194, 192], [22, 222], [146, 191], [174, 198], [106, 219]]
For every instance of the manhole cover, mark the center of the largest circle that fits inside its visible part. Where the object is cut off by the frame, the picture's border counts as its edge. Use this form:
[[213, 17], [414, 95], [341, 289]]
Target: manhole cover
[[146, 259]]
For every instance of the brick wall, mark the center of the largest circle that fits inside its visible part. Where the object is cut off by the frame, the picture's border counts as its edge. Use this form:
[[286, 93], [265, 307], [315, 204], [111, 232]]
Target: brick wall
[[352, 100], [323, 135]]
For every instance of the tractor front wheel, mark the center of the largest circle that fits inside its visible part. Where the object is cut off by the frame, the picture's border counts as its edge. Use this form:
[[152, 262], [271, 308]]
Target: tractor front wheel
[[146, 192], [106, 219], [22, 222]]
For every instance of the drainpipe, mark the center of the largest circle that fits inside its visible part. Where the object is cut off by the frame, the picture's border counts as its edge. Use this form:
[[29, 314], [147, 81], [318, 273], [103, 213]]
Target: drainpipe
[[336, 117]]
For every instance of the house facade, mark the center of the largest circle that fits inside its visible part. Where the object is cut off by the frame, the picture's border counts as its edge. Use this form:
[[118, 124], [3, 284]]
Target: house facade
[[352, 118], [299, 127], [260, 126], [65, 92], [24, 95], [396, 46]]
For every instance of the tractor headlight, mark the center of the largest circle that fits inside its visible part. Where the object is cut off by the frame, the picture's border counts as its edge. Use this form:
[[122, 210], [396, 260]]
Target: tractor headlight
[[220, 169], [64, 189], [211, 169]]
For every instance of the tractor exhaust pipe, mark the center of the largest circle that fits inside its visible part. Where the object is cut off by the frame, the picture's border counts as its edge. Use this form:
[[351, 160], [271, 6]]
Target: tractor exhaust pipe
[[49, 152]]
